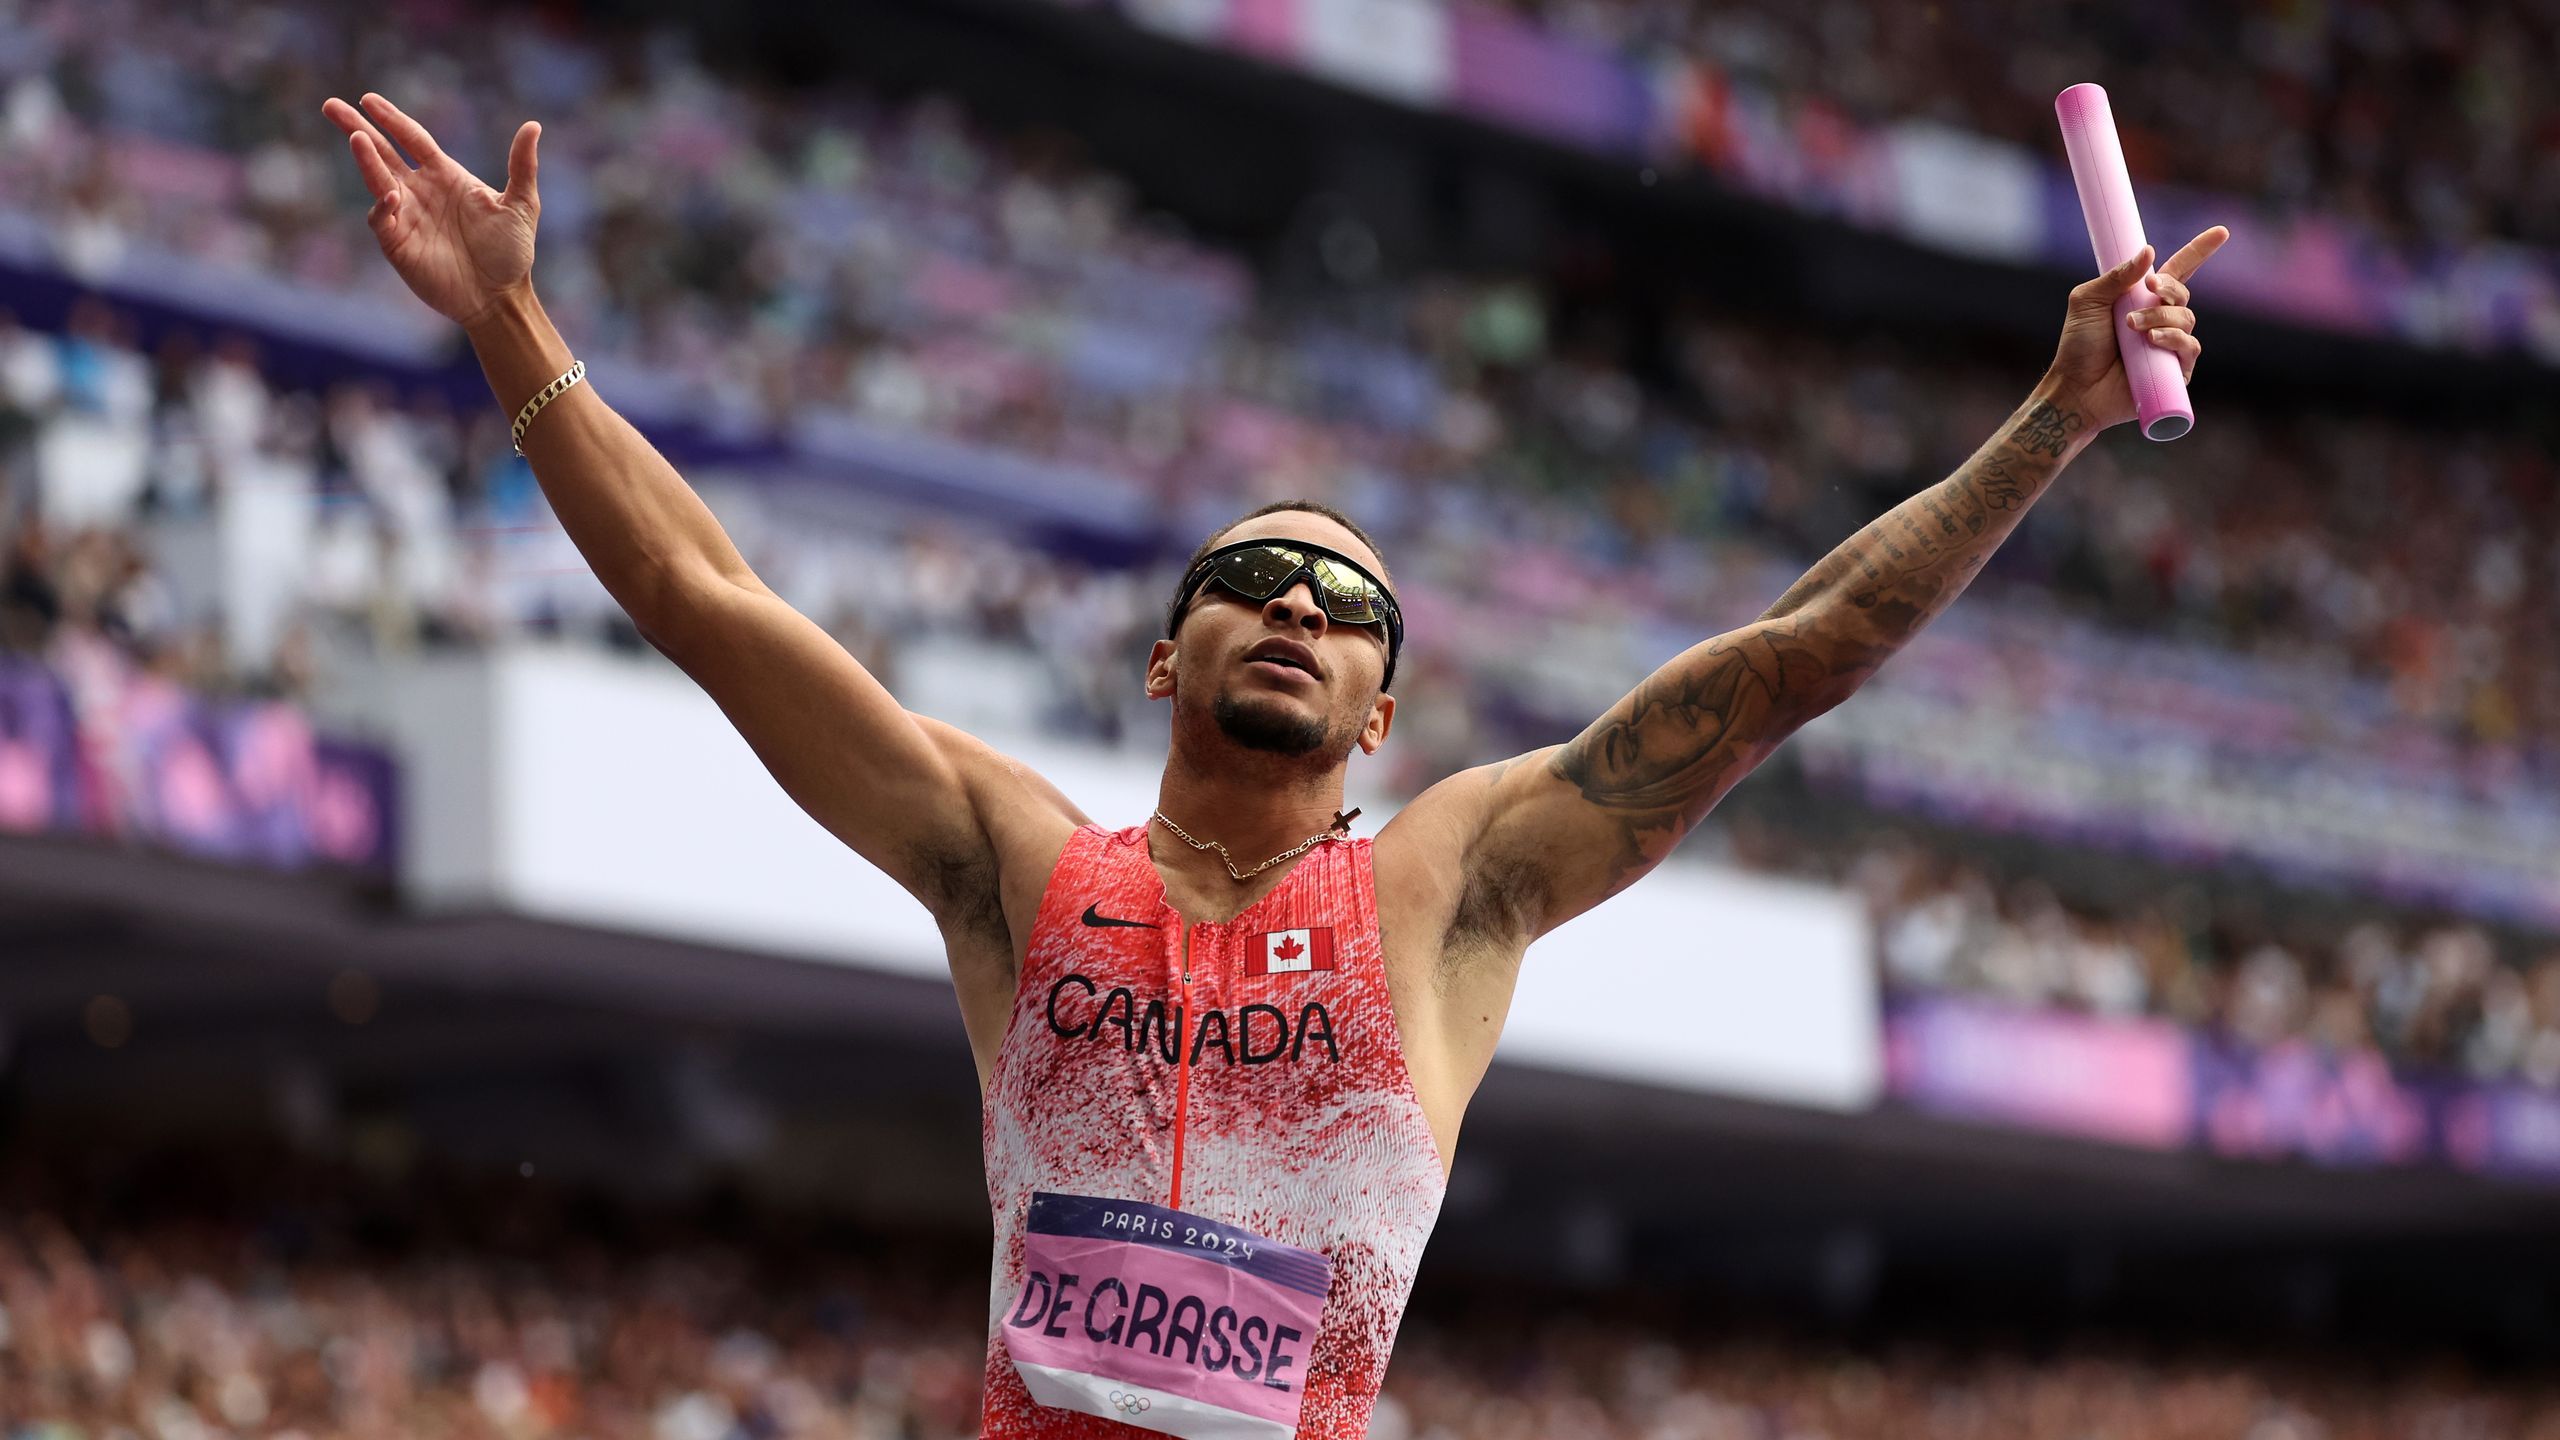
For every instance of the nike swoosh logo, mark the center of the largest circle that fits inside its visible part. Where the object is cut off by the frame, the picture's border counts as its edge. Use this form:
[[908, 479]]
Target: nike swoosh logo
[[1093, 916]]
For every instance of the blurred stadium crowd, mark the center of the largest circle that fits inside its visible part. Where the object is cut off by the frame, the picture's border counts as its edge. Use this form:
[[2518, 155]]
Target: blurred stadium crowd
[[1559, 525], [344, 1311], [2436, 996], [2342, 108], [897, 266], [1566, 500]]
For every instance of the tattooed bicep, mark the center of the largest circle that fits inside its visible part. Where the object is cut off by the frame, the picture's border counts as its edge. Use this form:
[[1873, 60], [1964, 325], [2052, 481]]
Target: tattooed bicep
[[1605, 808], [1671, 746]]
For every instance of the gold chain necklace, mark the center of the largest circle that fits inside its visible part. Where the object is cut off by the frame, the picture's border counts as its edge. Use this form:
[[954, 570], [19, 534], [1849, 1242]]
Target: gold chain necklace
[[1341, 821]]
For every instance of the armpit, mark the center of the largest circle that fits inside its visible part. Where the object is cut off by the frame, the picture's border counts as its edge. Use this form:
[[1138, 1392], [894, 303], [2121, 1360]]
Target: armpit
[[961, 886], [1499, 909]]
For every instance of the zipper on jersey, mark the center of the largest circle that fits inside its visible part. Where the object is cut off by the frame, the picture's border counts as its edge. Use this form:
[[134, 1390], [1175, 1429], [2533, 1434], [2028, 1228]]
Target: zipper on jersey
[[1182, 1069]]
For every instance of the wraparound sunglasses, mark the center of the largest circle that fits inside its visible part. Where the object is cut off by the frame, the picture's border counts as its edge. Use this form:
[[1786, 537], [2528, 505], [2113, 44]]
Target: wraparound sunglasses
[[1260, 569]]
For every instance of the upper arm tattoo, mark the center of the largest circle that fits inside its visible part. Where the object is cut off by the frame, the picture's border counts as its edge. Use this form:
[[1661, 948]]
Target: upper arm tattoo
[[1661, 758], [1670, 742]]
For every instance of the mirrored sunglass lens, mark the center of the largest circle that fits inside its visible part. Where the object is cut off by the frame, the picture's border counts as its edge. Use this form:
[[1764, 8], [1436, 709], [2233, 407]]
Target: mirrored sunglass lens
[[1256, 573], [1343, 580], [1351, 595]]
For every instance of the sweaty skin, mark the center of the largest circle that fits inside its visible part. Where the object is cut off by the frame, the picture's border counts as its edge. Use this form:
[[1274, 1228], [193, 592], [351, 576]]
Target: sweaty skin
[[1468, 874]]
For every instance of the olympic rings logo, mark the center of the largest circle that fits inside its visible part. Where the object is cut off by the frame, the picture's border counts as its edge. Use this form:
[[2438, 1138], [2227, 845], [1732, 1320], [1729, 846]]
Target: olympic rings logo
[[1130, 1402]]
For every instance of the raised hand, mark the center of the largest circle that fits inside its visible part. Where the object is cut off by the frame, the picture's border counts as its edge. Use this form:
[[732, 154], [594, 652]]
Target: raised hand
[[459, 245], [2087, 363]]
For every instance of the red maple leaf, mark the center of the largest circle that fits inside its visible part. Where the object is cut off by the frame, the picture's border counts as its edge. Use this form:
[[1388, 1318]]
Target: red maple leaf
[[1289, 948]]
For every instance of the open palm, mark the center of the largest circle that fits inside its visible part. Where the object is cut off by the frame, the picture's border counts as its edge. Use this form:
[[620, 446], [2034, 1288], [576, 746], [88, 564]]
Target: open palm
[[459, 245]]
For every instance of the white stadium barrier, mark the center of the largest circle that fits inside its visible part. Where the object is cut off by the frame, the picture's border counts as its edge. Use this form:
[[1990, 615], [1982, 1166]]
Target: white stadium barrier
[[605, 791]]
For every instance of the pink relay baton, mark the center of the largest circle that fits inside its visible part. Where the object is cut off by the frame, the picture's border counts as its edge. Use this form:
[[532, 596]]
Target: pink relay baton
[[2160, 404]]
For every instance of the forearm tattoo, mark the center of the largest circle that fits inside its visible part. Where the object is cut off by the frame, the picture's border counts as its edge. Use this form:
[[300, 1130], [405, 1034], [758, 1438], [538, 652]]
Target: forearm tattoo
[[2047, 429], [1663, 756]]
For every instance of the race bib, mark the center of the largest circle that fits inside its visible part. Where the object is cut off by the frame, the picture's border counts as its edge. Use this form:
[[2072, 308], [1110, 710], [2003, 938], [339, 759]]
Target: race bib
[[1164, 1320]]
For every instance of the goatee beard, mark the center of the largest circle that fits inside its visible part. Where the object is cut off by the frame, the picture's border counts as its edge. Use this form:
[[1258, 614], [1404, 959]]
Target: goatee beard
[[1268, 728]]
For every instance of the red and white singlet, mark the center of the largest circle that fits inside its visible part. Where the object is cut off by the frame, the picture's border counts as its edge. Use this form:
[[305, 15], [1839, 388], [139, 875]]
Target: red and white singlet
[[1268, 1093]]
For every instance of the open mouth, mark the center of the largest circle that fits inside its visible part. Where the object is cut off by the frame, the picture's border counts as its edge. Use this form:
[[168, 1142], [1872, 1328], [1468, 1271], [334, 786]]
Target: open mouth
[[1280, 657]]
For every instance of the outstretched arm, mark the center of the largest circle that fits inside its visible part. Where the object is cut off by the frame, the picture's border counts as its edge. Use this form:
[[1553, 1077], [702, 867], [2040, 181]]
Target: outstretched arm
[[1568, 827], [915, 798]]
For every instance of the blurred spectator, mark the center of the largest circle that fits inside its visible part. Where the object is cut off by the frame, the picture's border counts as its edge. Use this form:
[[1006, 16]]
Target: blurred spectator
[[320, 1316], [827, 255], [2424, 120], [2446, 995]]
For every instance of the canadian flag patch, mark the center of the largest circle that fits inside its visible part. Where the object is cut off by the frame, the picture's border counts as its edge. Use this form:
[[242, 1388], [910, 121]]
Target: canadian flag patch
[[1291, 952]]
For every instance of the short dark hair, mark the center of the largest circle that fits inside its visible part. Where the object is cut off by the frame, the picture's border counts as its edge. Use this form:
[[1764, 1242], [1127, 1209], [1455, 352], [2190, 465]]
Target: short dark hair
[[1173, 609]]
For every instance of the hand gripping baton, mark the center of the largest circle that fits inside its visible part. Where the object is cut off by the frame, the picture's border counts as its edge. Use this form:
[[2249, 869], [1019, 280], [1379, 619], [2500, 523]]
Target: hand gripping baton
[[2160, 404]]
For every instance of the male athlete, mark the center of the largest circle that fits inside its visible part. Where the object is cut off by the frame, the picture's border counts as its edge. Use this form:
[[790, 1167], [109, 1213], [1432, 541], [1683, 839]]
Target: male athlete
[[1224, 1053]]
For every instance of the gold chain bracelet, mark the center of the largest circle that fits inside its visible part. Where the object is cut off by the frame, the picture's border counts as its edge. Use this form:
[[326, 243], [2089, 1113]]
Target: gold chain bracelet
[[576, 372]]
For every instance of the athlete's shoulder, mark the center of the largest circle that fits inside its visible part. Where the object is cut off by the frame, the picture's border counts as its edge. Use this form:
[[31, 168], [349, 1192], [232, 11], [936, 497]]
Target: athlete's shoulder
[[1097, 855], [1420, 857], [1445, 823], [1025, 819], [992, 774], [1442, 852]]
